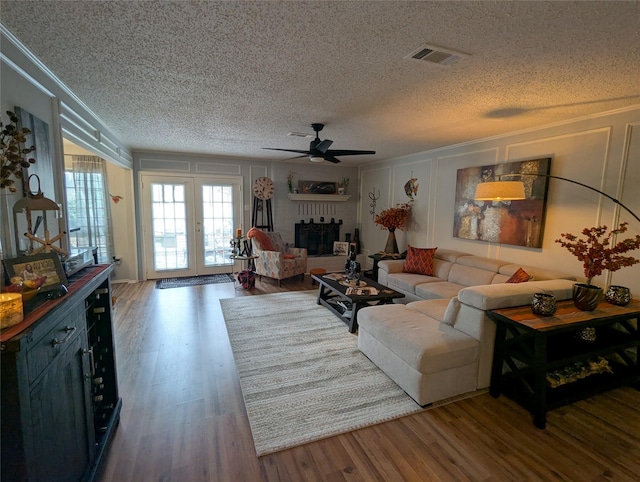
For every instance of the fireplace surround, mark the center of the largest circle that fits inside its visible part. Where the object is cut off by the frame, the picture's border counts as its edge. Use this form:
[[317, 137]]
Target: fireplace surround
[[318, 238]]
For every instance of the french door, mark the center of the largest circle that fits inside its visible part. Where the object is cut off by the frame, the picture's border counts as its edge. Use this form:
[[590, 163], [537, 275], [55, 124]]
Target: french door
[[188, 223]]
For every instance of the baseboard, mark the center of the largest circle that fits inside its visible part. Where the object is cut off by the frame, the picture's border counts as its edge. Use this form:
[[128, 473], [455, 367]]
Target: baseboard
[[116, 281]]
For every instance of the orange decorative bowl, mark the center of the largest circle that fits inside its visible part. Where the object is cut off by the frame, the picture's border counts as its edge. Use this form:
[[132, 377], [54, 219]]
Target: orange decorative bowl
[[29, 293]]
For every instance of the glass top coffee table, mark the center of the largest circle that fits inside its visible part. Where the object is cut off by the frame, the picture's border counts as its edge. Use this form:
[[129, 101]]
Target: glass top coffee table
[[344, 298]]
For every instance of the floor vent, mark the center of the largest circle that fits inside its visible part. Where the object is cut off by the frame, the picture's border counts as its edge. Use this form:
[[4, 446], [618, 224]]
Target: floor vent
[[436, 55]]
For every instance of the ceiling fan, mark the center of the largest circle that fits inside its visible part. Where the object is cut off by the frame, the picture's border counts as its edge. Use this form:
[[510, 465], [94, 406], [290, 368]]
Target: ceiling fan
[[319, 150]]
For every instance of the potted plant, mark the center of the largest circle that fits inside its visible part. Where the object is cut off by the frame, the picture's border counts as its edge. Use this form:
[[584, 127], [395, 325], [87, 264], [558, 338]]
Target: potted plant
[[342, 185], [392, 219], [290, 181], [12, 154], [597, 255], [13, 161]]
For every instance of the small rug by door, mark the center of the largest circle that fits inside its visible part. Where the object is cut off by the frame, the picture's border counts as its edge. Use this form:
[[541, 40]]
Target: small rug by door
[[302, 375], [194, 281]]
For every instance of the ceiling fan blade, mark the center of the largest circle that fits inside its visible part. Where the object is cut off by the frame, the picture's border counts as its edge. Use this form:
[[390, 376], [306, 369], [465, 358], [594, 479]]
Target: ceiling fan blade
[[324, 145], [331, 159], [287, 150], [347, 152]]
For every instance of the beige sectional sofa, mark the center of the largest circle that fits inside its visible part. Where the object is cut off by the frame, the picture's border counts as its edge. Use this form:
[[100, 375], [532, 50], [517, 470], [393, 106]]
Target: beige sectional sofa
[[452, 271], [442, 346]]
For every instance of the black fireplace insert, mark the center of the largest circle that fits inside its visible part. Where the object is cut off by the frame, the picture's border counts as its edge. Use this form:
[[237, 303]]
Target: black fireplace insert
[[318, 238]]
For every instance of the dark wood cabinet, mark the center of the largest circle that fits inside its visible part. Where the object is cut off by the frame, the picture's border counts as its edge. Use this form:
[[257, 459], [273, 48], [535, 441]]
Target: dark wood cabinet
[[58, 412], [530, 351]]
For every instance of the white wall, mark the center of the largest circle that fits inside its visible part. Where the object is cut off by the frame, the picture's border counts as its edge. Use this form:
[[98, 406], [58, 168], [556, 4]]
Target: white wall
[[16, 92], [26, 83], [120, 183], [125, 236], [285, 211], [602, 151]]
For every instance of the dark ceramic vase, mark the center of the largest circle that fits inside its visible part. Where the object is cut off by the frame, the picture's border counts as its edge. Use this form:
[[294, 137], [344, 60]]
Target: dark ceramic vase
[[356, 239], [586, 297], [392, 244]]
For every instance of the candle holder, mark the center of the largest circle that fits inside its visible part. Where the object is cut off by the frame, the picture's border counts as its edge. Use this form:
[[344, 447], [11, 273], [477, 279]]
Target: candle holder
[[618, 295], [543, 304], [10, 309]]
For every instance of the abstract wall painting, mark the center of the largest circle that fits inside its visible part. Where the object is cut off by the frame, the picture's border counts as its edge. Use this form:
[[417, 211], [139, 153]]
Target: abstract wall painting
[[43, 167], [519, 223]]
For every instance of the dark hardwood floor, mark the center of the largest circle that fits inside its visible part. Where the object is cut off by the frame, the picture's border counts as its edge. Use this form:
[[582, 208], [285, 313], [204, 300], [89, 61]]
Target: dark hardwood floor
[[183, 416]]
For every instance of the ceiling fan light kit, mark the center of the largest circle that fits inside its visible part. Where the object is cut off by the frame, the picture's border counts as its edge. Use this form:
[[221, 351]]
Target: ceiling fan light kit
[[319, 150]]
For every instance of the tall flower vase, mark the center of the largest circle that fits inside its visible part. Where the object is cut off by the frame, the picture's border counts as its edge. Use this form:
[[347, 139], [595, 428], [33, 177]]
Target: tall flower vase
[[392, 244], [356, 239]]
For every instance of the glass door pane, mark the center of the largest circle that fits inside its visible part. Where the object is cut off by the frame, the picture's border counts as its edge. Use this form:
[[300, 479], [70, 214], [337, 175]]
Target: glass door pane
[[188, 224], [169, 226], [217, 224], [218, 213], [168, 221]]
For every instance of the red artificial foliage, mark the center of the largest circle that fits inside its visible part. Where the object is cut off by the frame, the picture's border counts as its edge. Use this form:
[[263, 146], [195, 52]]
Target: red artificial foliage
[[596, 254], [394, 218]]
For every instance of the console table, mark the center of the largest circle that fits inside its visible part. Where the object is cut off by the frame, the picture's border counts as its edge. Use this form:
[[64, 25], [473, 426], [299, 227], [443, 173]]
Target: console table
[[379, 257], [59, 389], [529, 348]]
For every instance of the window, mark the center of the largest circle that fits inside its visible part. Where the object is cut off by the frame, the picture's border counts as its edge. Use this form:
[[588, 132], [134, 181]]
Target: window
[[89, 218]]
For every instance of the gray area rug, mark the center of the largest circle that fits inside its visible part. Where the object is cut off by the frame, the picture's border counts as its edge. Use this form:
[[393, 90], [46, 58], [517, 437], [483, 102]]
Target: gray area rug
[[302, 375], [165, 283]]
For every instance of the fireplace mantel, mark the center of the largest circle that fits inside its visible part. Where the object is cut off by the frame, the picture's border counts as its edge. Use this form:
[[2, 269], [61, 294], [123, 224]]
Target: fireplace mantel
[[319, 197]]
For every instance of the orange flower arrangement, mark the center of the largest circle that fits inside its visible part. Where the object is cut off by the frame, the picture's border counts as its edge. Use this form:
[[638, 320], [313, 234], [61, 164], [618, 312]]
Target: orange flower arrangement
[[597, 255], [394, 218]]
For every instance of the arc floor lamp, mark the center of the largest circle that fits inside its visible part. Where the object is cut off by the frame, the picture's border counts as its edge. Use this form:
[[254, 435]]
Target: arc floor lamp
[[514, 190]]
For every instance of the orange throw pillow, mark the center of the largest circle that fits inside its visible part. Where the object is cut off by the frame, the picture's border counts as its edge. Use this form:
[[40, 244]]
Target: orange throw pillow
[[263, 239], [519, 276], [289, 256], [419, 261]]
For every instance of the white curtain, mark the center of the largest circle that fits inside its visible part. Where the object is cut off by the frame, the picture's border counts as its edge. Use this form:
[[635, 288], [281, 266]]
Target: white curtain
[[88, 206]]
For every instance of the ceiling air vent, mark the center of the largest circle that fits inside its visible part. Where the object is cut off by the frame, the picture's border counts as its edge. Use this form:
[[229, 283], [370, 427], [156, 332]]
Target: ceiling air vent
[[436, 55]]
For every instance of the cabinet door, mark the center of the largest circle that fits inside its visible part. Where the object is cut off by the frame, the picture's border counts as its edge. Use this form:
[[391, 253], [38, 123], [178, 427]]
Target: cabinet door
[[59, 415]]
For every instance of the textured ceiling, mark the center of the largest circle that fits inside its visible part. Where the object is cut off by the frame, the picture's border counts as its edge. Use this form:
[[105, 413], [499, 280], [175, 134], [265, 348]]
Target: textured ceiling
[[229, 78]]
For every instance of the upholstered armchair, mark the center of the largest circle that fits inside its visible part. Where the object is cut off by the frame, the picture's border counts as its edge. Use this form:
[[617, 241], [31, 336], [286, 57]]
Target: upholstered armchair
[[275, 259]]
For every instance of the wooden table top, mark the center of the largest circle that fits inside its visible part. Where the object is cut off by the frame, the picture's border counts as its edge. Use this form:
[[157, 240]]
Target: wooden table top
[[383, 291], [566, 314], [41, 305]]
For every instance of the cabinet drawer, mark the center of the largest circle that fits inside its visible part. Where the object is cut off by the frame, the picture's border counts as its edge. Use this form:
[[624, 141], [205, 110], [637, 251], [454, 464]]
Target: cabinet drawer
[[55, 342]]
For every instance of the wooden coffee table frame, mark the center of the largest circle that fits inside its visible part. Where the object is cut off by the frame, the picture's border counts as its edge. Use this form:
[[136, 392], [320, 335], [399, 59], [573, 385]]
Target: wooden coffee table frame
[[330, 292]]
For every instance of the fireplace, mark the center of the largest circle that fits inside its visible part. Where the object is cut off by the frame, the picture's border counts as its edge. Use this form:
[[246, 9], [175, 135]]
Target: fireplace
[[318, 238]]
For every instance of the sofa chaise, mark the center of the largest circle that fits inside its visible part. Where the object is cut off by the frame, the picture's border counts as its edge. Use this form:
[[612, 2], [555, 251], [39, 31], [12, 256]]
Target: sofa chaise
[[441, 344]]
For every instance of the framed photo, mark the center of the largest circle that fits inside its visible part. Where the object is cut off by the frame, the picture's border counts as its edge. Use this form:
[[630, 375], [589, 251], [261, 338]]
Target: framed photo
[[317, 187], [340, 248], [36, 267]]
